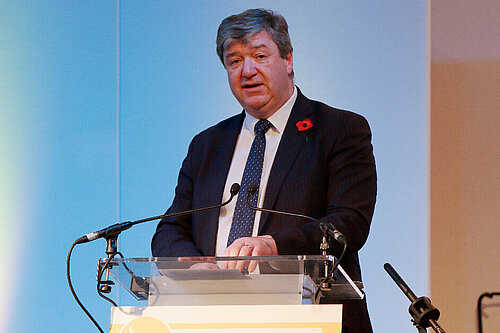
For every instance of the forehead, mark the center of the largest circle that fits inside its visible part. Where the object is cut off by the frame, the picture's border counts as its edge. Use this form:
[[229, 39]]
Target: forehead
[[259, 40]]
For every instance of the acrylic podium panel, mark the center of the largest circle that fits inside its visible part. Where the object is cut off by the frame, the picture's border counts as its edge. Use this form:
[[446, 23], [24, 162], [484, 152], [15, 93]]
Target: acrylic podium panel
[[280, 280], [184, 295]]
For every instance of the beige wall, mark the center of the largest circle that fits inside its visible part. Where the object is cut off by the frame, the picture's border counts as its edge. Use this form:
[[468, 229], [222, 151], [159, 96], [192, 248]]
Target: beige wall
[[465, 162], [465, 189]]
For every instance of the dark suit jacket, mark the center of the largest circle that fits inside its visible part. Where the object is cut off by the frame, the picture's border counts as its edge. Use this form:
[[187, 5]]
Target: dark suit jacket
[[327, 172]]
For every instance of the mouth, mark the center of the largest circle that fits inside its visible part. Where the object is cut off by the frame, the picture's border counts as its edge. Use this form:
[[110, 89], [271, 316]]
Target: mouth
[[251, 85]]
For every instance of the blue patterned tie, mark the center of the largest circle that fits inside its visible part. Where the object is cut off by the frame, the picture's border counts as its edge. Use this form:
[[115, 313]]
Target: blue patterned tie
[[243, 217]]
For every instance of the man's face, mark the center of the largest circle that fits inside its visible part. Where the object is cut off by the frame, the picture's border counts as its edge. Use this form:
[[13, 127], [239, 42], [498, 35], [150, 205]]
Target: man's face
[[258, 77]]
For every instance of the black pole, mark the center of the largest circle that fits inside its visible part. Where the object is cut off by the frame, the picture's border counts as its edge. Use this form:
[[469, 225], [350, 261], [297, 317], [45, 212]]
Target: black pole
[[423, 313]]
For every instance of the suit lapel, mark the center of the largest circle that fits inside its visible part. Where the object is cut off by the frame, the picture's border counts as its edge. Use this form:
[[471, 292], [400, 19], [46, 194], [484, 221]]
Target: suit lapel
[[290, 145]]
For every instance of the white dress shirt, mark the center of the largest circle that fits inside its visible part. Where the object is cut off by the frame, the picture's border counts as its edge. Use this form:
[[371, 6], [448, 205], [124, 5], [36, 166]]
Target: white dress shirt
[[243, 145]]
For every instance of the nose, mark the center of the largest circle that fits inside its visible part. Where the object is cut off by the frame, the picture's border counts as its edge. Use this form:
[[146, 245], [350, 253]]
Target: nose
[[249, 68]]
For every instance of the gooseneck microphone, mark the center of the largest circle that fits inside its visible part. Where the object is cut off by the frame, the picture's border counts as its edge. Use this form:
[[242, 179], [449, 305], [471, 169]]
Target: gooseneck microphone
[[112, 230], [111, 233], [332, 231], [117, 228]]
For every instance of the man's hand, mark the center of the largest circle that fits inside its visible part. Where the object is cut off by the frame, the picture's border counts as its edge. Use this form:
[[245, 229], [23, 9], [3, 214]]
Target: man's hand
[[246, 247]]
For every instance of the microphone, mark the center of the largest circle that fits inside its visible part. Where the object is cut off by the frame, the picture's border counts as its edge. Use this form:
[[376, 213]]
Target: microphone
[[423, 313], [111, 233], [112, 230], [332, 231], [116, 229], [400, 282]]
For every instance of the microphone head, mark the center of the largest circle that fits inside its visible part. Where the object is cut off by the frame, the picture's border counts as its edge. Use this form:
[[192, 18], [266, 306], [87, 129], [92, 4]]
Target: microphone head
[[252, 188], [235, 188]]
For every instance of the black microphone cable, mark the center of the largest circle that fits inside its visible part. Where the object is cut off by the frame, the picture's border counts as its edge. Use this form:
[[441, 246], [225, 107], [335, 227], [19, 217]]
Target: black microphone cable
[[100, 274], [113, 231], [73, 291]]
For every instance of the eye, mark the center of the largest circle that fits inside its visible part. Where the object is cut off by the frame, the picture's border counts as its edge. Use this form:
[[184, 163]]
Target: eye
[[261, 56], [233, 62]]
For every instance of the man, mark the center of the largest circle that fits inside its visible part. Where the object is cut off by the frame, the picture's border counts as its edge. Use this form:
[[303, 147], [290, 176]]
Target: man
[[305, 157]]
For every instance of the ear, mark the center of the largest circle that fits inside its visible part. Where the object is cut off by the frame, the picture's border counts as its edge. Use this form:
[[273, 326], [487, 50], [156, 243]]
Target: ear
[[289, 62]]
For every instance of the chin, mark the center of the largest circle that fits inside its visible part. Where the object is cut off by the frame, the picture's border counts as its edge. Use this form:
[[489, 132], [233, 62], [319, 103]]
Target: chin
[[258, 113], [256, 104]]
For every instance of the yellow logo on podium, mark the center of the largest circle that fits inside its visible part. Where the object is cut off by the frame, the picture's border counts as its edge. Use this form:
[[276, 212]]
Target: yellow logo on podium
[[145, 325]]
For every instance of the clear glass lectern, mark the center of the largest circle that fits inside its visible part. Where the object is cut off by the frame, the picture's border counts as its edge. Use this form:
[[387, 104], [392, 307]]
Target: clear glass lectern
[[276, 280]]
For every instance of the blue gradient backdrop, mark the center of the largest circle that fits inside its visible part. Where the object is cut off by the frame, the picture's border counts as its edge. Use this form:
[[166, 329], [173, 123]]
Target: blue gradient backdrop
[[87, 154]]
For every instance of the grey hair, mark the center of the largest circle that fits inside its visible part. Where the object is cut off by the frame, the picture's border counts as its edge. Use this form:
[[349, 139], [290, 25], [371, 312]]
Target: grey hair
[[241, 27]]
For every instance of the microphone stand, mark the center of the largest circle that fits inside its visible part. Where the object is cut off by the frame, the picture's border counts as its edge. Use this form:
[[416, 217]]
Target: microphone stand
[[323, 247], [111, 234], [423, 313], [111, 252]]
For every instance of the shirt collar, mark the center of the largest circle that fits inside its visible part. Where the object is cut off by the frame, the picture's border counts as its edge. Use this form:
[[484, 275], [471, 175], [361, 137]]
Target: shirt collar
[[277, 119]]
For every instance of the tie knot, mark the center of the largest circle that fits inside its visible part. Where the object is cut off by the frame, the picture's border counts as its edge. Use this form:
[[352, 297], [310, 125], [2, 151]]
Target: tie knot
[[262, 126]]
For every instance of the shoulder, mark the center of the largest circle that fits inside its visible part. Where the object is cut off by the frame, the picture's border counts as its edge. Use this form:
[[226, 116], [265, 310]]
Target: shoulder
[[329, 116], [227, 129], [225, 126]]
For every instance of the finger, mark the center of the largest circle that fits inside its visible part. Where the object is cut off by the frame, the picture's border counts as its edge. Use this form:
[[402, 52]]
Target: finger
[[223, 263], [242, 266], [231, 251], [252, 266], [234, 251], [270, 242], [258, 251], [262, 250], [245, 251]]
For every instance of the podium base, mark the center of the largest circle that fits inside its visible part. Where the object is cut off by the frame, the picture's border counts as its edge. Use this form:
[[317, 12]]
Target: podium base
[[233, 318]]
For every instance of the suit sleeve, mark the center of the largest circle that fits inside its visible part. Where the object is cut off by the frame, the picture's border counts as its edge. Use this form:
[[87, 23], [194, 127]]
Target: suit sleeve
[[349, 194], [353, 184], [174, 236]]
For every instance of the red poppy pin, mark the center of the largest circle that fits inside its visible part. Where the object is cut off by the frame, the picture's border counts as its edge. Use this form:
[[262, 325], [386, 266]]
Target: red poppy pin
[[304, 125]]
